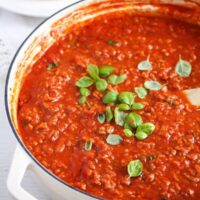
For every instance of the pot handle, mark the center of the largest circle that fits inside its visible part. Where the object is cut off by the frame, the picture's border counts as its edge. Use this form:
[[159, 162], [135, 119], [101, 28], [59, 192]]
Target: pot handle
[[18, 168]]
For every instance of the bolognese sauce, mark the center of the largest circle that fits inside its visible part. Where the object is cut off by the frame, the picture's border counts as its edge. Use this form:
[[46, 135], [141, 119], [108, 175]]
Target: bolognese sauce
[[103, 108]]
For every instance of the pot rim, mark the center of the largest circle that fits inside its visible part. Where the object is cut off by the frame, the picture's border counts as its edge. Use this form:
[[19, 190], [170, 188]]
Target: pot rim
[[7, 105]]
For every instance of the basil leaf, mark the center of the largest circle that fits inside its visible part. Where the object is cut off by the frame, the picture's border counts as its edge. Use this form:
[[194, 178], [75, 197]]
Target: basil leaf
[[101, 85], [114, 139], [126, 97], [135, 168], [84, 92], [121, 78], [123, 107], [109, 114], [127, 126], [128, 132], [52, 65], [82, 100], [133, 120], [183, 68], [88, 145], [114, 79], [147, 128], [144, 65], [105, 70], [119, 117], [141, 92], [170, 101], [93, 71], [137, 106], [101, 118], [112, 42], [140, 135], [110, 97], [152, 85], [85, 81]]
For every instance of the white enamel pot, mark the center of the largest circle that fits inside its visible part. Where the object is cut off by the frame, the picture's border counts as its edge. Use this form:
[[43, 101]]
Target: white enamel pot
[[31, 49]]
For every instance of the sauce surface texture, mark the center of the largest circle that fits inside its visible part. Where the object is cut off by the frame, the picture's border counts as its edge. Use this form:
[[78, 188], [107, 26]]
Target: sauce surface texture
[[55, 127]]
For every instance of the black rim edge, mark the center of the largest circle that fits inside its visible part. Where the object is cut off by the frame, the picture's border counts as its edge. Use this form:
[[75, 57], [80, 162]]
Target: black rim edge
[[7, 106]]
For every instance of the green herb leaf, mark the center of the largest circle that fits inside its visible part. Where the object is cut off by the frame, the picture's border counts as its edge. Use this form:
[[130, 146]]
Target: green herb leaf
[[126, 97], [109, 114], [106, 70], [140, 135], [133, 120], [24, 122], [114, 139], [114, 79], [52, 65], [110, 97], [145, 65], [170, 101], [119, 117], [123, 107], [152, 85], [88, 145], [135, 168], [101, 85], [128, 132], [84, 92], [82, 100], [127, 126], [183, 68], [93, 71], [137, 106], [141, 92], [101, 118], [112, 42], [147, 128], [85, 81]]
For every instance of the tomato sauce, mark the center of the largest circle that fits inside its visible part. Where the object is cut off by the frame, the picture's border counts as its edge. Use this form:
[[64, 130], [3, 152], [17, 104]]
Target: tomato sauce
[[54, 127]]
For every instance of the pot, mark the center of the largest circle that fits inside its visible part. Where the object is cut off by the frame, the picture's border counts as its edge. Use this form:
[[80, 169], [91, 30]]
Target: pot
[[31, 49]]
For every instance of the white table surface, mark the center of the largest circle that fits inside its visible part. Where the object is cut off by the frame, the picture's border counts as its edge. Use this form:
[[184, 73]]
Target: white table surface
[[13, 29]]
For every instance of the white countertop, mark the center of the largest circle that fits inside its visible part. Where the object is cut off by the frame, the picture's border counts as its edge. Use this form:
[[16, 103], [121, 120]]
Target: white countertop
[[13, 30]]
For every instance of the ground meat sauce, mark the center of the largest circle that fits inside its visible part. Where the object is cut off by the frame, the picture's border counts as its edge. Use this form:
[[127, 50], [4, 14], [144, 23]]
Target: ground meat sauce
[[54, 127]]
